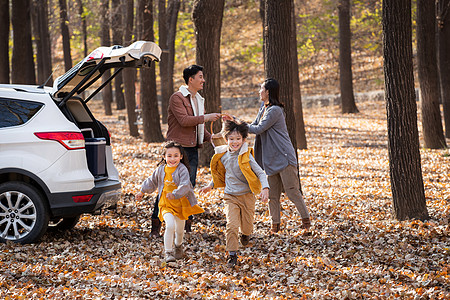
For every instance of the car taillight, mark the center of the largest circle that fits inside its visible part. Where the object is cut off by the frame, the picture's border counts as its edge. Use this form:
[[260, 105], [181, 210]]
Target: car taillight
[[82, 198], [70, 140]]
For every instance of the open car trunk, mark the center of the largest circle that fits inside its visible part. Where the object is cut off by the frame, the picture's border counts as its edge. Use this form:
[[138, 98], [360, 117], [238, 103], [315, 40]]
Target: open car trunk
[[97, 139], [68, 87]]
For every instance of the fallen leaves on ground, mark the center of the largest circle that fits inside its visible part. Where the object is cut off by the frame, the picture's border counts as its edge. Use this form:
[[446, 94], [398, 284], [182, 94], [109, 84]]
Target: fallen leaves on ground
[[354, 250]]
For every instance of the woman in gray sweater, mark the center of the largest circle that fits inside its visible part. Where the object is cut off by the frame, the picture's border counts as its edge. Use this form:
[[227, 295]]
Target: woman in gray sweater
[[276, 155]]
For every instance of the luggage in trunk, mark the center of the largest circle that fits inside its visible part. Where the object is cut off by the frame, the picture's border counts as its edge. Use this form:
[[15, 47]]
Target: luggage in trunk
[[95, 153]]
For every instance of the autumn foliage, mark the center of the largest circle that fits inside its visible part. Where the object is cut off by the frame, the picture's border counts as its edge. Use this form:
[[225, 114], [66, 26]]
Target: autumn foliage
[[354, 250]]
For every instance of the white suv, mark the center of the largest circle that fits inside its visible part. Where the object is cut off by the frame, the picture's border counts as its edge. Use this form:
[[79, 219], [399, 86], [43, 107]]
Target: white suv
[[55, 157]]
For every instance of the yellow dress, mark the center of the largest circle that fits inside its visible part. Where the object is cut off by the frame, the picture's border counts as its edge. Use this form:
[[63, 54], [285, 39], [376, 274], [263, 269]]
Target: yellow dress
[[178, 207]]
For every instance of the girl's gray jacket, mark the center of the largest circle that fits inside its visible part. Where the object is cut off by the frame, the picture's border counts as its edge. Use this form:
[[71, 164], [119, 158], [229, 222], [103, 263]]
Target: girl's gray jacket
[[180, 178], [273, 147]]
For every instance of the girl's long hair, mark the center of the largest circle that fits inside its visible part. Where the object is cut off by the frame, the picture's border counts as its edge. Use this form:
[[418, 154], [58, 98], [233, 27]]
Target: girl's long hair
[[273, 87], [170, 144]]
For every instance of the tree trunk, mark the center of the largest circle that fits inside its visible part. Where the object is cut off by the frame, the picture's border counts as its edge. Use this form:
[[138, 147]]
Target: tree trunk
[[129, 74], [167, 20], [42, 40], [403, 138], [297, 97], [46, 43], [65, 34], [262, 15], [37, 40], [4, 41], [164, 64], [345, 59], [117, 39], [443, 18], [433, 132], [172, 12], [149, 101], [277, 40], [207, 16], [83, 26], [22, 55], [106, 41]]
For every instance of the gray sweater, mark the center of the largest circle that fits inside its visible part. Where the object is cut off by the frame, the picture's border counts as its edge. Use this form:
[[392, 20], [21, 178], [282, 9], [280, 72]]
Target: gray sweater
[[180, 178], [275, 151]]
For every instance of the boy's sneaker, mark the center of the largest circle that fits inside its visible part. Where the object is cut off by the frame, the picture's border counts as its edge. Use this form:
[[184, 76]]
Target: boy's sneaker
[[169, 257], [179, 253], [245, 239], [232, 260]]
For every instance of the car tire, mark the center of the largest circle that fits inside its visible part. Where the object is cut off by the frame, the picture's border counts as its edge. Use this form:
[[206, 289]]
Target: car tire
[[24, 214], [64, 224]]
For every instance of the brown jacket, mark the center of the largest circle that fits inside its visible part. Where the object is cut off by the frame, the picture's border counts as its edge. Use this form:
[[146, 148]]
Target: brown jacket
[[182, 123]]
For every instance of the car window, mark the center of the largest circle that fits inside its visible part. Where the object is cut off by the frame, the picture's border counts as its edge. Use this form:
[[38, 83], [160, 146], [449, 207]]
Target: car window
[[15, 112]]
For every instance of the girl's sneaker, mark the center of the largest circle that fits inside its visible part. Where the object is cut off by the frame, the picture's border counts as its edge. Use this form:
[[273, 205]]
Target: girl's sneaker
[[179, 253], [169, 257]]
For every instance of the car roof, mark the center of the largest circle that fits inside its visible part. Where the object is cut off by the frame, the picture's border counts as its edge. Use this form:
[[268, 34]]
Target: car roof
[[90, 69], [25, 88]]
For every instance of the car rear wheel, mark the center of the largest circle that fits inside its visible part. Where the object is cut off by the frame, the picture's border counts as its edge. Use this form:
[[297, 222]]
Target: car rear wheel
[[23, 213]]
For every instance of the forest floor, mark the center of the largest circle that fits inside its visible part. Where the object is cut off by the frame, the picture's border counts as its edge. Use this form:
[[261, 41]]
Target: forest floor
[[355, 248]]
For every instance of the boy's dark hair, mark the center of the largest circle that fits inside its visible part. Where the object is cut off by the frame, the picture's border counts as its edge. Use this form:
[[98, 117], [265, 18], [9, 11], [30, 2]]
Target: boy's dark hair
[[191, 71], [239, 126], [170, 144]]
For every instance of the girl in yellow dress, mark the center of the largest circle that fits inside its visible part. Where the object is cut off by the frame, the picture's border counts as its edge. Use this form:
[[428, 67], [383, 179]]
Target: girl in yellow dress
[[177, 200]]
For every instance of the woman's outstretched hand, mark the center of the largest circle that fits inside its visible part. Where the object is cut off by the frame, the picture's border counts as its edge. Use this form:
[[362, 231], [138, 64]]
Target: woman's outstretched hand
[[138, 196]]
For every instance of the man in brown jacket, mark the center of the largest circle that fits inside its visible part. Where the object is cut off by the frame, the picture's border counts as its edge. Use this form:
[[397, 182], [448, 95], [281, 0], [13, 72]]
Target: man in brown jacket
[[186, 125]]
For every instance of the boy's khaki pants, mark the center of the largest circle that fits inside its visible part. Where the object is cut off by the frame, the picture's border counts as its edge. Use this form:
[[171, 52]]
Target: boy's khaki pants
[[240, 212]]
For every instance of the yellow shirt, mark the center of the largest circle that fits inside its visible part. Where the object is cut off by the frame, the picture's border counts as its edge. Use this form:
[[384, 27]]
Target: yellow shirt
[[178, 207]]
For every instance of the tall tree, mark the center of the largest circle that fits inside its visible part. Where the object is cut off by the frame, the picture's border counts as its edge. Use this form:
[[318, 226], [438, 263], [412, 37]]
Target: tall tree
[[345, 59], [149, 101], [164, 64], [117, 39], [106, 41], [433, 133], [207, 16], [4, 41], [22, 70], [443, 20], [83, 25], [262, 15], [172, 17], [403, 138], [167, 21], [37, 40], [42, 39], [297, 97], [65, 34], [278, 58], [129, 74]]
